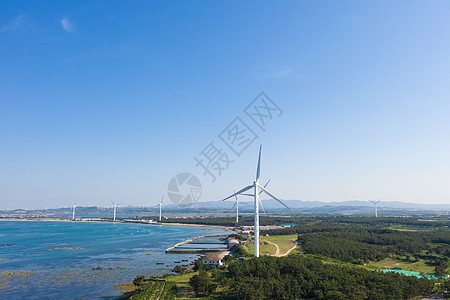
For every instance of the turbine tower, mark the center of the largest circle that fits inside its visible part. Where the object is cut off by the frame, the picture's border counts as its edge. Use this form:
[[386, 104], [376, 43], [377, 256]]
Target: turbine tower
[[115, 208], [73, 211], [375, 203], [236, 204], [257, 189], [160, 208]]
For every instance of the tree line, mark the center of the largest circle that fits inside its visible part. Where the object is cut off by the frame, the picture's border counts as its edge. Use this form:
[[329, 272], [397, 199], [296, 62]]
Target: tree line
[[299, 277]]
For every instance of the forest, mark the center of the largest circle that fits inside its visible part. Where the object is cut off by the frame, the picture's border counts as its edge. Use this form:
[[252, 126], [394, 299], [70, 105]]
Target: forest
[[298, 277], [338, 258]]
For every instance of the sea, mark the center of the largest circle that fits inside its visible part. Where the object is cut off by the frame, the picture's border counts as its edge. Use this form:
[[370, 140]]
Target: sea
[[86, 260]]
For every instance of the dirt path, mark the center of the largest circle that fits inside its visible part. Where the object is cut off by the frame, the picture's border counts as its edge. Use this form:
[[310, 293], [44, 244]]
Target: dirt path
[[293, 248], [278, 252]]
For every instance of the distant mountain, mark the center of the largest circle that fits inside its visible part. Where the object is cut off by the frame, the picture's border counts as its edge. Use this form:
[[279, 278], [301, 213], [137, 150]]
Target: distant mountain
[[355, 207], [298, 204]]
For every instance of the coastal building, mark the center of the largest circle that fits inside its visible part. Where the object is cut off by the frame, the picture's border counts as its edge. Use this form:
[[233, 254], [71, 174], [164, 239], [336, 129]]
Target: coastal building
[[212, 262], [231, 241]]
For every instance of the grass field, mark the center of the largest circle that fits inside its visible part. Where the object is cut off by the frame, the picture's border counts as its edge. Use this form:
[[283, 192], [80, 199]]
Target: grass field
[[263, 249], [389, 263], [183, 289], [284, 243]]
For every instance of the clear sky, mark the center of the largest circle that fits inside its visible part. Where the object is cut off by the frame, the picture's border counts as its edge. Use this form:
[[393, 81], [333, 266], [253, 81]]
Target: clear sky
[[108, 100]]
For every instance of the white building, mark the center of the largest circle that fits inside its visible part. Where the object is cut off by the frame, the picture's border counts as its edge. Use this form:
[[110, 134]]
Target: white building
[[212, 262]]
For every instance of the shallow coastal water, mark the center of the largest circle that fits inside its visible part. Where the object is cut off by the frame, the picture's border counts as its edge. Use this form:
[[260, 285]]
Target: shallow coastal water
[[81, 260]]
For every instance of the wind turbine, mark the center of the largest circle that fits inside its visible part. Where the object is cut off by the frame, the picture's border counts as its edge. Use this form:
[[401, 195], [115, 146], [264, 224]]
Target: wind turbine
[[257, 189], [260, 192], [375, 202], [237, 209], [160, 208], [236, 204], [73, 211], [115, 208]]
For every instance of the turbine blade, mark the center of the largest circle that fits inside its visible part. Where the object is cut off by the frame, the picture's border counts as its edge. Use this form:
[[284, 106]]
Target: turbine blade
[[239, 192], [251, 195], [265, 185], [270, 195], [162, 199], [258, 169], [262, 206], [234, 205]]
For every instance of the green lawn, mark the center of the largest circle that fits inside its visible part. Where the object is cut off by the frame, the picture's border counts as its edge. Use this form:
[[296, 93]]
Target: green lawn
[[284, 242], [389, 263], [263, 249]]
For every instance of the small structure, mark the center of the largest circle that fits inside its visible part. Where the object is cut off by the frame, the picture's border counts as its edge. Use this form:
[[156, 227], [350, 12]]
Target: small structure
[[212, 262], [231, 241]]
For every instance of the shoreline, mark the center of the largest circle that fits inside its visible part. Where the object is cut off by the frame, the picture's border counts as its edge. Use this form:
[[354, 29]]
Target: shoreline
[[122, 222], [108, 221], [87, 220]]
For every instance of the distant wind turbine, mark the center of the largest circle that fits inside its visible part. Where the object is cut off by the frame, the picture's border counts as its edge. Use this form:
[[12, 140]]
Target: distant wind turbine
[[257, 189], [236, 204], [73, 211], [115, 208], [375, 203], [160, 208]]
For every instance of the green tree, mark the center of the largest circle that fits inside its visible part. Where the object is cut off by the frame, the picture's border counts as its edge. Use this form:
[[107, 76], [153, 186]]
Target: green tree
[[139, 280], [227, 258], [202, 283], [440, 268], [198, 265], [179, 269], [239, 250]]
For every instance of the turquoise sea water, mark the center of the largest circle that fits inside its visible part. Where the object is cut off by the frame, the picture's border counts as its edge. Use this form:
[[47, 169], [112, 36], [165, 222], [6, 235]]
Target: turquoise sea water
[[80, 260]]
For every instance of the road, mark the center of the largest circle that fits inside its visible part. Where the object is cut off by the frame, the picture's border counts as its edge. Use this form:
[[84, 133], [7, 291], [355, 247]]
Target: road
[[278, 252]]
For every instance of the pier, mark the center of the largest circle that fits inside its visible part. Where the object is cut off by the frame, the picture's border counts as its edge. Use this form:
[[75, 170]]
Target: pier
[[199, 241]]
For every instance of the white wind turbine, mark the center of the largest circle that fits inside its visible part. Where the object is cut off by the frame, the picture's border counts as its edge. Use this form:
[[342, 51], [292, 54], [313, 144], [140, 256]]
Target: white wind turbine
[[236, 204], [73, 211], [375, 203], [115, 209], [160, 208], [260, 192], [257, 190]]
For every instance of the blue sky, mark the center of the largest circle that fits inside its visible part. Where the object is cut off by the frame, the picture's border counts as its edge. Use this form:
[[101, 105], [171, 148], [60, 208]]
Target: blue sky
[[108, 100]]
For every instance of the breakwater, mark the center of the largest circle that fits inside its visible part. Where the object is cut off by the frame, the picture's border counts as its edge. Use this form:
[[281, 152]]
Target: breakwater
[[201, 244]]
